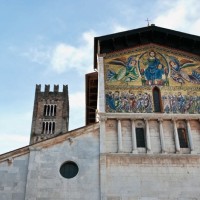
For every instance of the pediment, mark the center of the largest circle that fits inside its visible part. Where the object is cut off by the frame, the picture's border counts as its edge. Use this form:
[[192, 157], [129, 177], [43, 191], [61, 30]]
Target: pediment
[[151, 34]]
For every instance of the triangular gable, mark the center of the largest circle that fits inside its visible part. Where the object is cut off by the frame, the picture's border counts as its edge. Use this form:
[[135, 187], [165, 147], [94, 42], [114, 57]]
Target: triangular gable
[[141, 36]]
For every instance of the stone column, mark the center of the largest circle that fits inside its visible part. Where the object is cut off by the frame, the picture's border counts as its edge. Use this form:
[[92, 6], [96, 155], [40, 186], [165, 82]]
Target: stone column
[[190, 136], [51, 125], [102, 134], [53, 110], [162, 141], [148, 141], [119, 134], [134, 141], [177, 143], [46, 127]]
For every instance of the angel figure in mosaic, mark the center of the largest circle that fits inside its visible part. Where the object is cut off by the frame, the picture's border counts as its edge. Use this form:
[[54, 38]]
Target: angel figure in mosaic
[[128, 71], [179, 75]]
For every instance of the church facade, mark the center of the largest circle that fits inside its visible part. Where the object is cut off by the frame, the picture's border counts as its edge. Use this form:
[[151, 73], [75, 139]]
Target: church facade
[[145, 143]]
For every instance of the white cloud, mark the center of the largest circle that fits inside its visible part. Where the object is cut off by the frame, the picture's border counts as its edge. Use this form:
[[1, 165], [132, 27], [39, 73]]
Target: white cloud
[[180, 15], [118, 28], [40, 54], [77, 100], [65, 56]]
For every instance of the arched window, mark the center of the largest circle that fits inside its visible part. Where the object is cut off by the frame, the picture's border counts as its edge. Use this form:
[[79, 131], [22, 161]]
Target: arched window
[[157, 99], [49, 110]]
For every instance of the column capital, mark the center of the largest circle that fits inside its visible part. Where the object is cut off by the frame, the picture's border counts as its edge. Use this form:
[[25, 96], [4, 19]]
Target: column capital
[[160, 120], [187, 120], [102, 118], [174, 119]]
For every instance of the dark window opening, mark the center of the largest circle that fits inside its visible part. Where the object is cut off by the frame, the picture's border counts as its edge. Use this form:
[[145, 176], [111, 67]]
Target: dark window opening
[[49, 127], [55, 110], [69, 169], [45, 110], [48, 110], [43, 127], [182, 135], [156, 100], [53, 127], [47, 124], [140, 137], [52, 110]]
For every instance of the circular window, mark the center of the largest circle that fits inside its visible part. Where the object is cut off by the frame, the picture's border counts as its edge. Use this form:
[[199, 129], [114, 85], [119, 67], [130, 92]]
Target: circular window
[[69, 169]]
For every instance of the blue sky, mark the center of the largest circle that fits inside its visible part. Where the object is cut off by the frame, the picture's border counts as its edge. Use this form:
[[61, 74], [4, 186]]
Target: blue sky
[[51, 42]]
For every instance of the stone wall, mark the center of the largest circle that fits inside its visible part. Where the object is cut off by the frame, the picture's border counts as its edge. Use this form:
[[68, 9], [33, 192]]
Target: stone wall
[[36, 175], [13, 175], [147, 177]]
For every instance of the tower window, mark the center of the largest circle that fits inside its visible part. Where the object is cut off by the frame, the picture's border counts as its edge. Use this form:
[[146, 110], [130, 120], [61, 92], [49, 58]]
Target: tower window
[[48, 127], [45, 110], [156, 99], [43, 127], [49, 110], [182, 135], [53, 129], [140, 137]]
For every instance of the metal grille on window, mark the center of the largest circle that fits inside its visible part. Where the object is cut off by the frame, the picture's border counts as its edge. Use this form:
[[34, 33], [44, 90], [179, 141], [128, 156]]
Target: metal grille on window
[[140, 137], [182, 135]]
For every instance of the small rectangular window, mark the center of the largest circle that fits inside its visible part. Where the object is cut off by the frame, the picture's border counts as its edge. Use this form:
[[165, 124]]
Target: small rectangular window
[[140, 137], [182, 135]]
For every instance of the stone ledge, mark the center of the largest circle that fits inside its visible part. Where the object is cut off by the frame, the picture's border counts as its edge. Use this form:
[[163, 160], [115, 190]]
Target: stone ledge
[[149, 116]]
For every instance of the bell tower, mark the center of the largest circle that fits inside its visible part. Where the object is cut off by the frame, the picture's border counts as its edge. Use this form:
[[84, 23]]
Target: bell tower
[[50, 113]]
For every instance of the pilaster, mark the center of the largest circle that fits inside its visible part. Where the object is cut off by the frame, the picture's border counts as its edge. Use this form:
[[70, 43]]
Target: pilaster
[[134, 141], [148, 140], [177, 143], [119, 136], [192, 150], [101, 86], [162, 141], [102, 134]]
